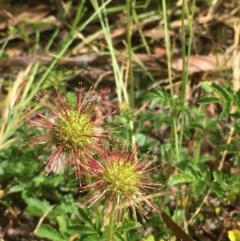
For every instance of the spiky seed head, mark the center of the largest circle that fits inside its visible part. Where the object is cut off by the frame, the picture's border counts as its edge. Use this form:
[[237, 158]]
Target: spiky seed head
[[74, 132], [121, 180]]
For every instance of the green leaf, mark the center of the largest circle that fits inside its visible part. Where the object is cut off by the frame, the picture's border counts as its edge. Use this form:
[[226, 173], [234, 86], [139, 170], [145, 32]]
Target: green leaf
[[228, 147], [141, 139], [46, 231], [180, 178], [16, 188], [200, 186], [208, 100], [62, 223], [81, 229], [206, 85], [129, 226], [205, 158], [224, 91], [92, 238], [159, 96], [226, 109], [1, 171], [71, 97], [237, 97], [150, 238], [84, 216], [37, 207], [136, 236], [119, 236]]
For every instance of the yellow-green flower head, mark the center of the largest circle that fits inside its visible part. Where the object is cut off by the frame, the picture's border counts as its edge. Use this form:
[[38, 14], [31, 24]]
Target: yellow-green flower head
[[74, 132], [121, 180], [121, 175]]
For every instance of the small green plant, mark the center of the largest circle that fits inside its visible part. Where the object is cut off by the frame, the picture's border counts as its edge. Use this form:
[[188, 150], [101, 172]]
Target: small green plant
[[77, 136]]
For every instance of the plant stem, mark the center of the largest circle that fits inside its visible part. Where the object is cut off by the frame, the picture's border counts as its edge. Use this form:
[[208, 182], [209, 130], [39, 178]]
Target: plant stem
[[129, 48], [129, 8], [169, 64], [110, 224], [187, 12]]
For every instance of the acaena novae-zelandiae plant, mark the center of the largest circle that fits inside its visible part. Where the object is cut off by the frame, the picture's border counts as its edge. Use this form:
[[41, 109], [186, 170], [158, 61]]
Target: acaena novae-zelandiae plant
[[121, 181], [77, 135], [74, 132]]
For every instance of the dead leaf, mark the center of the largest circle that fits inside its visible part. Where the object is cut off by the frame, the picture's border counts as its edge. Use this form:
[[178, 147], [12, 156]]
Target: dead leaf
[[177, 231], [34, 14], [200, 63], [156, 33]]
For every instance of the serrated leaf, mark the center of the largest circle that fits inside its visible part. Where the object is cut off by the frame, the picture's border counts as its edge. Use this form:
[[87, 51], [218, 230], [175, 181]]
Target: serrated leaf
[[200, 186], [195, 126], [180, 178], [136, 236], [37, 207], [237, 97], [119, 236], [84, 216], [46, 231], [228, 147], [226, 109], [206, 158], [208, 100], [225, 92], [159, 97], [129, 226], [62, 223]]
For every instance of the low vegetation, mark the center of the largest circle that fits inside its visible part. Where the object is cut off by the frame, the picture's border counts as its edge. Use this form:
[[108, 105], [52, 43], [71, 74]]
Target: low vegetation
[[119, 120]]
